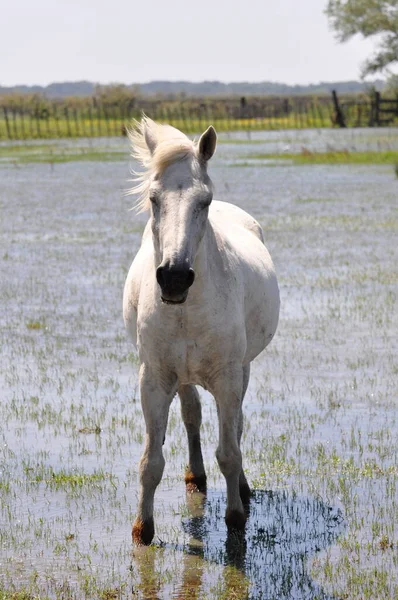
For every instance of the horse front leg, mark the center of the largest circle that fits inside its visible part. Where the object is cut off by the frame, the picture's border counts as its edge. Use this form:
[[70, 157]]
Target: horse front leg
[[191, 410], [156, 397], [227, 390]]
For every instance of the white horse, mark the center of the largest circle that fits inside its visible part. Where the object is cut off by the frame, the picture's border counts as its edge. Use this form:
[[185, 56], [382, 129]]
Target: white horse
[[201, 301]]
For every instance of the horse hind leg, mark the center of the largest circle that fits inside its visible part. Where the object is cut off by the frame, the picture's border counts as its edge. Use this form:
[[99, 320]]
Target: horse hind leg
[[244, 489], [227, 391], [191, 410]]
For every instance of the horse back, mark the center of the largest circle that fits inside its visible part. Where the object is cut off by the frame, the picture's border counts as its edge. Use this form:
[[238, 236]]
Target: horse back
[[224, 214]]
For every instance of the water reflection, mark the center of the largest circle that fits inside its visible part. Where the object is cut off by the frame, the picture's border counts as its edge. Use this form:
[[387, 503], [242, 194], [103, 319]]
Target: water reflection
[[269, 561]]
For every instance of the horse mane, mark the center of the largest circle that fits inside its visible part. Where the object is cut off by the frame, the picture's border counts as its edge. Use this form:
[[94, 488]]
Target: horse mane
[[171, 145]]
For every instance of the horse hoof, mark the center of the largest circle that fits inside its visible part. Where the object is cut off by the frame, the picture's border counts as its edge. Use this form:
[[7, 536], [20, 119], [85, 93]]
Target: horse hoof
[[245, 493], [235, 520], [143, 532], [195, 483]]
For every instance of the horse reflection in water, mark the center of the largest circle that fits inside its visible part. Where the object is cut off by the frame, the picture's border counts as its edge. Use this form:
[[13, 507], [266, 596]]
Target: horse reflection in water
[[268, 562]]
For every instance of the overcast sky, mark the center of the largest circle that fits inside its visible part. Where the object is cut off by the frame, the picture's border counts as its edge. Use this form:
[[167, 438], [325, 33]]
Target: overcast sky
[[44, 41]]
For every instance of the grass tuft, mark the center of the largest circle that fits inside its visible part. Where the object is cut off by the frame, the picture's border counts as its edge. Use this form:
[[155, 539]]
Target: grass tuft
[[36, 325]]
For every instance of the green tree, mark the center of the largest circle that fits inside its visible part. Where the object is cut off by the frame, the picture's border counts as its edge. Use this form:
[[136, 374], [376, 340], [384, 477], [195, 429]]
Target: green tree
[[116, 94], [368, 18], [392, 85]]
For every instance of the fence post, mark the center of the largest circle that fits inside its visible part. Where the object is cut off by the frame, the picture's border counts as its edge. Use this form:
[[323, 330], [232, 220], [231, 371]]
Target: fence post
[[66, 113], [377, 109], [15, 125], [338, 114], [56, 121], [359, 115], [106, 117], [76, 120], [22, 115], [7, 122], [90, 117], [38, 129], [48, 123]]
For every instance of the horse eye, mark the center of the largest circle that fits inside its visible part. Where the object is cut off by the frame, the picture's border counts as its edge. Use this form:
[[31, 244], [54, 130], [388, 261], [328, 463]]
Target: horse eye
[[207, 202], [153, 198]]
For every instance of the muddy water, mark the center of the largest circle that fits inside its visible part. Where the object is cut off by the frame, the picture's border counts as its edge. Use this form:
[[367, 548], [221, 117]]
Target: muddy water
[[321, 422]]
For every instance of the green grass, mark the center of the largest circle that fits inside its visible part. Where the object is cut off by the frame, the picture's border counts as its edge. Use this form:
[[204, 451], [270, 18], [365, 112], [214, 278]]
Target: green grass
[[55, 129], [66, 479], [27, 594], [46, 153], [343, 157], [21, 595], [35, 325]]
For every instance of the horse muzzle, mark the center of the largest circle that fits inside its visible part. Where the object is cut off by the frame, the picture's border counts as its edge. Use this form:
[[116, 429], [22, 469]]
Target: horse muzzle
[[174, 282]]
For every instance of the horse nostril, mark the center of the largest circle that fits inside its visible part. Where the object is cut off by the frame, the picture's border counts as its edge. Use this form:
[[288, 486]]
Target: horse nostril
[[159, 276], [191, 277], [175, 279]]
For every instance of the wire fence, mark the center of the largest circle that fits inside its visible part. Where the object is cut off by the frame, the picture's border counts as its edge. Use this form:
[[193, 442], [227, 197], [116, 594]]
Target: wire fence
[[43, 119]]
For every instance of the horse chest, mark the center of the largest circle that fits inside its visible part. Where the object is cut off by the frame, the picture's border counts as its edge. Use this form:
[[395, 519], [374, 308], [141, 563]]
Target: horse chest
[[192, 347]]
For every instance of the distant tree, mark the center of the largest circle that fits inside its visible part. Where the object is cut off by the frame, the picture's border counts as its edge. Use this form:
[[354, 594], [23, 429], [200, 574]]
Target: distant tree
[[35, 103], [368, 18], [392, 85], [116, 94]]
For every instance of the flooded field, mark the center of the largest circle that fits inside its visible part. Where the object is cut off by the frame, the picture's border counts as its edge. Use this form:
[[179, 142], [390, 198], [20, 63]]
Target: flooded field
[[321, 421]]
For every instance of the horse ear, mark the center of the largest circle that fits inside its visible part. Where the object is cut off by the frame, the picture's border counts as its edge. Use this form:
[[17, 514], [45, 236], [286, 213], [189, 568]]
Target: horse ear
[[150, 138], [207, 143]]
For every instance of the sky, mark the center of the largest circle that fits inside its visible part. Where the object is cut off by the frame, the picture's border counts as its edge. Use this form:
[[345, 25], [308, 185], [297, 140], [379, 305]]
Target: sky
[[126, 41]]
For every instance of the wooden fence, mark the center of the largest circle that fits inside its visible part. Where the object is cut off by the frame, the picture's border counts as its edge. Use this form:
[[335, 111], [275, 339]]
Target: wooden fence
[[375, 111], [93, 118]]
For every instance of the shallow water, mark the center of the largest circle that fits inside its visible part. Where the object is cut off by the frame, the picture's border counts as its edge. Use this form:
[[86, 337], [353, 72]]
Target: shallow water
[[321, 426]]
